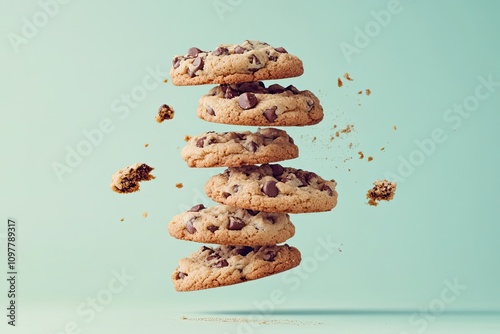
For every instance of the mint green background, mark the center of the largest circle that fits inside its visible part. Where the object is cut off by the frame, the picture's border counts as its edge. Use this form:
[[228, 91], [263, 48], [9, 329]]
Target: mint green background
[[442, 225]]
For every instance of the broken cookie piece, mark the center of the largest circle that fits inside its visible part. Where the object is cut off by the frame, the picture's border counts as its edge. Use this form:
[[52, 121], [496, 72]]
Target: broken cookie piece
[[382, 190], [127, 179], [164, 113]]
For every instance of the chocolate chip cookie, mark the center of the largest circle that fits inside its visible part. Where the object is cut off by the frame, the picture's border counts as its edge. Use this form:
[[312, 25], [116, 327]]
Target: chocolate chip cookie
[[225, 225], [227, 265], [232, 63], [127, 179], [234, 149], [252, 103], [272, 188]]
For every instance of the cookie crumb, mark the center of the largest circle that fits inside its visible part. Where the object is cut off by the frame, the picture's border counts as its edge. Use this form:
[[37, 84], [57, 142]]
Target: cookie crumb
[[339, 82], [346, 76], [122, 219], [361, 155], [144, 214], [334, 126], [348, 128], [368, 92], [337, 134], [179, 185], [332, 138], [360, 92], [184, 317], [187, 138], [165, 112], [146, 145], [382, 190], [314, 139], [370, 158], [350, 145], [127, 179], [165, 80], [383, 148], [395, 127]]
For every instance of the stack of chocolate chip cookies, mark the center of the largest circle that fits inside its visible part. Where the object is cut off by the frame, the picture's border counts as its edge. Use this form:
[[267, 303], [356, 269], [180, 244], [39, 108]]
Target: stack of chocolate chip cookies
[[255, 194]]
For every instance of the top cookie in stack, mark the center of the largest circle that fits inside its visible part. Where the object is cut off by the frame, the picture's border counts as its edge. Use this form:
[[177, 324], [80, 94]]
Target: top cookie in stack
[[234, 63]]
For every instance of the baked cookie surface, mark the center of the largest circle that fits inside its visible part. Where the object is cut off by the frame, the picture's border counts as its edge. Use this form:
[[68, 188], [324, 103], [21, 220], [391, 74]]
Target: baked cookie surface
[[272, 188], [232, 63], [226, 265], [225, 225], [234, 149], [253, 103]]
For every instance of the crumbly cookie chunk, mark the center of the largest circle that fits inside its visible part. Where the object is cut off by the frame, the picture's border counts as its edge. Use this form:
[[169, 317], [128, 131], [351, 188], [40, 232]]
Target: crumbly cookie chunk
[[382, 190], [272, 188], [251, 103], [127, 179], [227, 265], [225, 225], [165, 112], [234, 149], [232, 63]]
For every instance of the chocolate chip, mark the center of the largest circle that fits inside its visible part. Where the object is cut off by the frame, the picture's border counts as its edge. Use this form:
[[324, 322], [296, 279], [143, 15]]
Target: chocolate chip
[[213, 256], [176, 62], [205, 248], [201, 142], [310, 105], [181, 275], [280, 50], [226, 194], [243, 251], [269, 256], [235, 188], [270, 189], [198, 65], [230, 93], [220, 51], [193, 52], [247, 100], [240, 49], [196, 208], [309, 176], [253, 146], [277, 170], [271, 219], [212, 228], [253, 212], [292, 89], [271, 58], [210, 111], [254, 60], [235, 223], [275, 89], [326, 188], [270, 114], [190, 227], [221, 264]]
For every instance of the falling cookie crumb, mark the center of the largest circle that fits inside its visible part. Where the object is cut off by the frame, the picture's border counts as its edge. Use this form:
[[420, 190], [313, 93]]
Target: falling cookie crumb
[[347, 77], [339, 82], [146, 145], [187, 138], [383, 148], [165, 80], [165, 113], [332, 138], [122, 219], [360, 92], [350, 145], [368, 92], [395, 127], [127, 179], [361, 155], [314, 139], [370, 158], [337, 134], [382, 190], [144, 214], [179, 185], [347, 129]]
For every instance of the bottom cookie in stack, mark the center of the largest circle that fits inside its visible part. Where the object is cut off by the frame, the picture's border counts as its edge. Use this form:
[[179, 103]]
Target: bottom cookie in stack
[[227, 265]]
